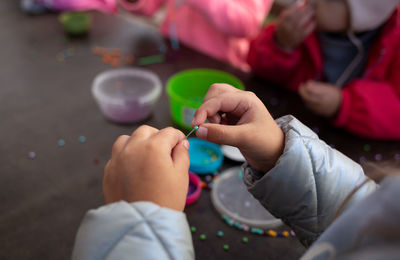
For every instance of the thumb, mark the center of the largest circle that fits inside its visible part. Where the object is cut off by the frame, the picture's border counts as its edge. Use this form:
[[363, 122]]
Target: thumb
[[220, 134], [180, 156]]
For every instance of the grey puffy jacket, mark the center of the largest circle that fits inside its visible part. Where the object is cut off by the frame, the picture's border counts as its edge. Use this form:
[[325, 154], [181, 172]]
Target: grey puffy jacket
[[305, 189]]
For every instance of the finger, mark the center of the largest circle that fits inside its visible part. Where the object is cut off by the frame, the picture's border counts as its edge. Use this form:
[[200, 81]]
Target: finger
[[221, 134], [168, 138], [144, 132], [119, 145], [236, 103], [306, 17], [217, 89], [215, 119], [180, 156], [298, 13], [309, 29]]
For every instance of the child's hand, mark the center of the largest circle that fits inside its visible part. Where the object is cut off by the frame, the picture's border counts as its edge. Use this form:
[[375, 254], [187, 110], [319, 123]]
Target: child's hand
[[322, 98], [150, 165], [240, 119], [294, 25]]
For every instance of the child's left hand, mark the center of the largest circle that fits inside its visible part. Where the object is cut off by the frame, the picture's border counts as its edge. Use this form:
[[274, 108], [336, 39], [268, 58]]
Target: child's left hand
[[322, 98]]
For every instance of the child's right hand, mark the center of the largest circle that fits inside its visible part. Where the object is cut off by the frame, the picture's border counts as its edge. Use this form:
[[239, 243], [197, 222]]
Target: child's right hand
[[294, 25], [150, 165], [240, 119]]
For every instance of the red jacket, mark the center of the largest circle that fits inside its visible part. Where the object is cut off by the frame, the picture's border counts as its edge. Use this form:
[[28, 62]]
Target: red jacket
[[370, 105]]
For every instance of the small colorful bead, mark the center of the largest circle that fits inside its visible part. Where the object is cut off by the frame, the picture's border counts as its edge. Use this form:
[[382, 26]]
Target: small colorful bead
[[193, 229], [367, 147], [272, 233], [245, 240], [61, 142], [226, 247], [196, 127], [285, 234], [82, 139], [203, 237], [220, 234], [362, 159], [32, 155], [378, 157]]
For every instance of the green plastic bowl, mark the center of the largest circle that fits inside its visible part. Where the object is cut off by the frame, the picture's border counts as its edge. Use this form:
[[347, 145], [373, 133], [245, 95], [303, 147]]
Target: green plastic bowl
[[187, 89], [76, 23]]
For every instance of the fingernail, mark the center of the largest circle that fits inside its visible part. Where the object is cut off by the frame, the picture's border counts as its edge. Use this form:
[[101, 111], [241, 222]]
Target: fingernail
[[186, 144], [202, 132]]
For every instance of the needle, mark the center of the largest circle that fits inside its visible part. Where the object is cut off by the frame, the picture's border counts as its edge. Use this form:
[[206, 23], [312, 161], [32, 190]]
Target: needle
[[194, 129]]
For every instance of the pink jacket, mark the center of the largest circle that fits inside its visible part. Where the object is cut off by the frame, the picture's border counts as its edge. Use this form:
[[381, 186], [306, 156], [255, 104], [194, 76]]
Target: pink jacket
[[219, 28], [370, 105]]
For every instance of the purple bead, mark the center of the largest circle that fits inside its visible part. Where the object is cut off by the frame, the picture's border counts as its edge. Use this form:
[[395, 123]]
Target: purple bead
[[397, 157], [32, 155], [362, 159], [245, 227], [378, 157]]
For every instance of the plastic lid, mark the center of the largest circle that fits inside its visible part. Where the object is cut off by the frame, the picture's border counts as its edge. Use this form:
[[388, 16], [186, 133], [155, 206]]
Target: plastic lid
[[232, 153], [119, 86], [231, 198], [205, 157]]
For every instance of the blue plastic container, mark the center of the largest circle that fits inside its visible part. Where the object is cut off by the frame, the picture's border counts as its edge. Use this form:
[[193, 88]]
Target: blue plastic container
[[205, 157]]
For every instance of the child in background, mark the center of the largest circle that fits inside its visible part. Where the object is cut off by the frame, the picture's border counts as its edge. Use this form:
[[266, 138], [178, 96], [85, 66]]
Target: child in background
[[294, 175], [343, 58], [219, 28]]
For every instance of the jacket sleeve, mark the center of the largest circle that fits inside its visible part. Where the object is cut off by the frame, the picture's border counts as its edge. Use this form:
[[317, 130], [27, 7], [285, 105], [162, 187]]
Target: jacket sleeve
[[239, 18], [140, 230], [289, 69], [309, 182], [371, 109], [143, 7]]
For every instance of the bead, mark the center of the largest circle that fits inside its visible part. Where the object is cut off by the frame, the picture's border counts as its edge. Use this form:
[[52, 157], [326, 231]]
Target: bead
[[292, 233], [220, 233], [285, 234], [32, 155], [61, 142], [367, 147], [226, 247], [196, 127], [362, 159], [237, 225], [397, 157], [203, 237], [256, 231], [227, 220], [378, 157], [193, 229], [246, 228], [245, 240], [272, 233], [82, 139]]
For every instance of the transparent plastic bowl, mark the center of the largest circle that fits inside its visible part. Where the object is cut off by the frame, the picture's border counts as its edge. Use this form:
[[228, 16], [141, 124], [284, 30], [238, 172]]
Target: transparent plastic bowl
[[126, 95]]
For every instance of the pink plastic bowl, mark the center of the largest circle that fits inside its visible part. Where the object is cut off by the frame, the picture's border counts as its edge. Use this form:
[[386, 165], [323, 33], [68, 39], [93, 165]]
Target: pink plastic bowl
[[194, 189]]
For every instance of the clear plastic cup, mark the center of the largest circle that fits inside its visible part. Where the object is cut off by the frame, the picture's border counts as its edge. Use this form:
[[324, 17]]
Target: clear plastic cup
[[126, 95]]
